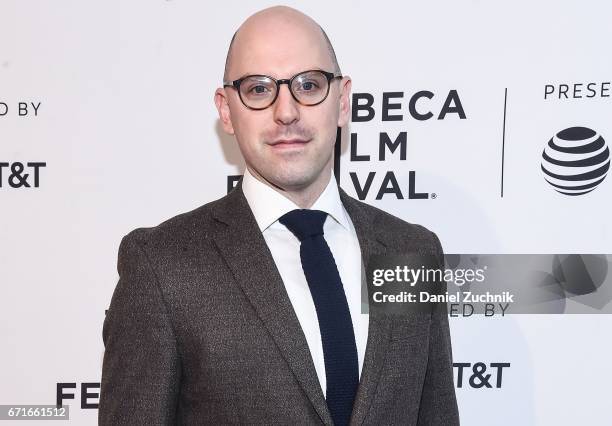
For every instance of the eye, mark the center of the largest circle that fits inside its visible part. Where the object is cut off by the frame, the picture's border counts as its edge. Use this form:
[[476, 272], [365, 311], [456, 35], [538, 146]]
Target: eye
[[258, 89], [308, 86]]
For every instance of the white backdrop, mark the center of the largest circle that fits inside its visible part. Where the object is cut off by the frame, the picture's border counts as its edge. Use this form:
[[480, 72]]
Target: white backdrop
[[129, 135]]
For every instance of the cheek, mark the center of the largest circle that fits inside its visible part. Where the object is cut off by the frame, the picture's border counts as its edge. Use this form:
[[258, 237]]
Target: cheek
[[327, 127], [247, 130], [239, 120], [323, 121]]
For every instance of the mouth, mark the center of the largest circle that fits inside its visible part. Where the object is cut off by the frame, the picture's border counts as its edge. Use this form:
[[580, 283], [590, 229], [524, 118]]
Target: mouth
[[289, 143]]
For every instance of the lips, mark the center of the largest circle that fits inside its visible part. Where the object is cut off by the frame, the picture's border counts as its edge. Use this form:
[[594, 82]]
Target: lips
[[289, 142]]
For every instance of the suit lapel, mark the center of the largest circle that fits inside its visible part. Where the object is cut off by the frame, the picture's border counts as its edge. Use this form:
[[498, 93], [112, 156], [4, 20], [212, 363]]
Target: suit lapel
[[379, 327], [246, 253]]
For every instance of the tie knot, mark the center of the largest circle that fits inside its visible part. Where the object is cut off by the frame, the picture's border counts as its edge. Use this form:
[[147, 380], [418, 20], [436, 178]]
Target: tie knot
[[304, 223]]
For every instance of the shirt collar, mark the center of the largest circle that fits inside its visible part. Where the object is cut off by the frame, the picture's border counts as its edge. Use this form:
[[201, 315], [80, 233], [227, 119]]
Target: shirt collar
[[268, 205]]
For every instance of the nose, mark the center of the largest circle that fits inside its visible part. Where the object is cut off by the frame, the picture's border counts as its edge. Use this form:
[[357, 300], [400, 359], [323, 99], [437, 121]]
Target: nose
[[286, 109]]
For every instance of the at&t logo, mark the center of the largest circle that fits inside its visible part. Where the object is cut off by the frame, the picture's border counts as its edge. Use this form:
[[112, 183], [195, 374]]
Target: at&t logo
[[575, 161]]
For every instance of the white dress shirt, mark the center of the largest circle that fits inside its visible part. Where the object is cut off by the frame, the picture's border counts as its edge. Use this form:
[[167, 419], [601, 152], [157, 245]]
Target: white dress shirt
[[268, 205]]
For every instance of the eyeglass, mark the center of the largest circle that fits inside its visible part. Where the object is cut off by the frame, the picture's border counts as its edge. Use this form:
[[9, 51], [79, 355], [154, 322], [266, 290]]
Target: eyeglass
[[258, 92]]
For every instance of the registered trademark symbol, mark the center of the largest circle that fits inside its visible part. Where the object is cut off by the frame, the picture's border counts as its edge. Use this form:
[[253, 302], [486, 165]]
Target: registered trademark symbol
[[433, 195]]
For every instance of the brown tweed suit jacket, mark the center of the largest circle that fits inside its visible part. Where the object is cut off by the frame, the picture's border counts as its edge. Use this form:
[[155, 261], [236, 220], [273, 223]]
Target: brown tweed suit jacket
[[200, 330]]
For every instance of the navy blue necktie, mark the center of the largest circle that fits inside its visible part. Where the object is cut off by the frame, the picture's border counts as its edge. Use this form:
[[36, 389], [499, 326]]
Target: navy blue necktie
[[337, 335]]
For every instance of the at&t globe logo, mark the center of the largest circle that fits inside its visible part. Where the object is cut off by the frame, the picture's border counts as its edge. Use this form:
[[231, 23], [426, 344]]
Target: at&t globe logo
[[575, 161]]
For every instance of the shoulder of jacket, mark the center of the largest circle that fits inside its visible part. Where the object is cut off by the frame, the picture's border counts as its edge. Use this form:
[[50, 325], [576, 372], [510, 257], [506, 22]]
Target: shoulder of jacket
[[184, 226], [387, 221]]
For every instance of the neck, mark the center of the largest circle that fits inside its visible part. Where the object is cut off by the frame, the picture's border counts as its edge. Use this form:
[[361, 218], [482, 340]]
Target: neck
[[303, 197]]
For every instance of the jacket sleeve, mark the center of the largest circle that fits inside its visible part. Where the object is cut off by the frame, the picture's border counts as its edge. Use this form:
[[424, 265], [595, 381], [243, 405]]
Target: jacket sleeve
[[141, 366], [438, 401]]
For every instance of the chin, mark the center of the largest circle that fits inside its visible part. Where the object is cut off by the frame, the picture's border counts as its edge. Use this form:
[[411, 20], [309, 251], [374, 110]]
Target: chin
[[294, 180]]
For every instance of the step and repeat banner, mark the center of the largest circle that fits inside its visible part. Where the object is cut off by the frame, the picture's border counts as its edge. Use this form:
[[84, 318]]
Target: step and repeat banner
[[487, 122]]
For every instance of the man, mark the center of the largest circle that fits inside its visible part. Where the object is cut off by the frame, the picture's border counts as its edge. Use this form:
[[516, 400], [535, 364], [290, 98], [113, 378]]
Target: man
[[247, 309]]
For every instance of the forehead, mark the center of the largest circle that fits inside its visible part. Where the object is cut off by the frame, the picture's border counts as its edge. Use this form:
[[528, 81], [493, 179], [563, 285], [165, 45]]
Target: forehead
[[279, 49]]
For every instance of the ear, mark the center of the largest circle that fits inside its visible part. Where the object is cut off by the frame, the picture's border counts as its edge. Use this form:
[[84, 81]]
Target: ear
[[345, 101], [221, 102]]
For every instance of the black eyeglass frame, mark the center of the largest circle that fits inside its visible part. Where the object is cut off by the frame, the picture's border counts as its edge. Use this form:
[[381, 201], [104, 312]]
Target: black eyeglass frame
[[236, 85]]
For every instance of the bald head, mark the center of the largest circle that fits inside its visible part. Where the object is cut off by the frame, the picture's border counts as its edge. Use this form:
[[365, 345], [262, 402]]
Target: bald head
[[279, 24]]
